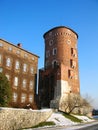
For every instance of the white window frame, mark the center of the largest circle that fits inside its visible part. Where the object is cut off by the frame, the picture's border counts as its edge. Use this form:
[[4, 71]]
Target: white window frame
[[31, 85], [32, 70], [8, 62], [1, 44], [8, 76], [16, 81], [23, 98], [47, 54], [15, 96], [24, 67], [24, 83], [31, 98], [0, 59], [17, 65]]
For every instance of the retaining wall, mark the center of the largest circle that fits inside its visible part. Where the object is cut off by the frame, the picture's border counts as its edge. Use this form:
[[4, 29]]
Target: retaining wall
[[14, 119]]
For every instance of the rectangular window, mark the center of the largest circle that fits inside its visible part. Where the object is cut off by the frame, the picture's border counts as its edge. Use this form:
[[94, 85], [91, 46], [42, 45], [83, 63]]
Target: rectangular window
[[32, 70], [1, 44], [31, 86], [47, 54], [17, 65], [15, 96], [24, 67], [23, 97], [8, 62], [24, 83], [0, 59], [54, 51], [70, 74], [8, 76], [1, 69], [31, 98], [72, 63], [73, 52], [16, 81]]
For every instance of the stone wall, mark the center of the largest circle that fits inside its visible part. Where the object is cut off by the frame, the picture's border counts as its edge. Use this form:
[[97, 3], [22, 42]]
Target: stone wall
[[14, 119]]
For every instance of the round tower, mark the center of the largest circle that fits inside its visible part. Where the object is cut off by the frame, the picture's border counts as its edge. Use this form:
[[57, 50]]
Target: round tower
[[61, 49]]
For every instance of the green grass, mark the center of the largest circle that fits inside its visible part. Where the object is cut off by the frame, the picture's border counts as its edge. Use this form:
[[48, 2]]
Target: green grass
[[50, 123], [72, 118]]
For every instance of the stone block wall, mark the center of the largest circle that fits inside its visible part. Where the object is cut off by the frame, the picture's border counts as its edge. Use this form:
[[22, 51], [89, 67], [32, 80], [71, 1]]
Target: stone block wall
[[14, 119]]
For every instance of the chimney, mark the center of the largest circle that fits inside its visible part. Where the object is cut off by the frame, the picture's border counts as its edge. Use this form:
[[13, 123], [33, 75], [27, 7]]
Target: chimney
[[19, 45]]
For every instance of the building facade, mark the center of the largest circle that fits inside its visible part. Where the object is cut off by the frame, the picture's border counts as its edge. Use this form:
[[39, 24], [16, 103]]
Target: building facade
[[20, 67], [60, 75]]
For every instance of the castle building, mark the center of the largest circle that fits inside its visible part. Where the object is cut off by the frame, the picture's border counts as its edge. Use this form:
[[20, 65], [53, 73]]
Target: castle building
[[60, 75], [20, 67]]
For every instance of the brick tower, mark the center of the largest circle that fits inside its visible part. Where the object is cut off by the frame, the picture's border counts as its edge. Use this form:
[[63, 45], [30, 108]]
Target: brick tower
[[60, 75]]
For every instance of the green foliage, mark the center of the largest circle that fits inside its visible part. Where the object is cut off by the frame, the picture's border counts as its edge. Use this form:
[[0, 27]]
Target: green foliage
[[44, 124], [5, 91], [72, 118]]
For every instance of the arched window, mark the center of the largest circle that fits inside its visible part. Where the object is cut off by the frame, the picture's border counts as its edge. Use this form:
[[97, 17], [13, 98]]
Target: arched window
[[54, 63]]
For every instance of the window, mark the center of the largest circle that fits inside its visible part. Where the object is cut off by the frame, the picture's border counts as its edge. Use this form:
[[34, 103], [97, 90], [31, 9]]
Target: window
[[10, 48], [73, 52], [25, 55], [0, 59], [8, 62], [25, 67], [1, 69], [54, 63], [70, 74], [54, 51], [24, 83], [8, 77], [18, 52], [23, 97], [17, 65], [72, 63], [1, 45], [15, 96], [16, 81], [50, 42], [47, 54], [31, 98], [32, 58], [32, 70], [68, 42], [31, 85]]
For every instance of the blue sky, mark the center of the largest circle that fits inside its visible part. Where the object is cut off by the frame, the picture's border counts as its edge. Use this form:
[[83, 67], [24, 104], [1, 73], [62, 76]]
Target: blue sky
[[25, 21]]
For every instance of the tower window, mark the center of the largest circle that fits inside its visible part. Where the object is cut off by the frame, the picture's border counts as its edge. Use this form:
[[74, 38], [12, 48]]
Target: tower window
[[47, 54], [70, 74], [54, 51], [51, 42], [73, 52]]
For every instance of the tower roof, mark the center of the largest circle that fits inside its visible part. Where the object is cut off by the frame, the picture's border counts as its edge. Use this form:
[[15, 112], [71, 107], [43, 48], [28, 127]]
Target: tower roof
[[60, 27]]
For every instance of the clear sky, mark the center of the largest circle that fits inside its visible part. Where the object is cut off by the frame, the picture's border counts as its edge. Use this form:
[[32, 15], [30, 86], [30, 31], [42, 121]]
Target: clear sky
[[25, 21]]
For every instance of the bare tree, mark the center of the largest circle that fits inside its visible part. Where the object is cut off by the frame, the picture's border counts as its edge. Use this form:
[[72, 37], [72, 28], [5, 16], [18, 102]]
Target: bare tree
[[72, 102]]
